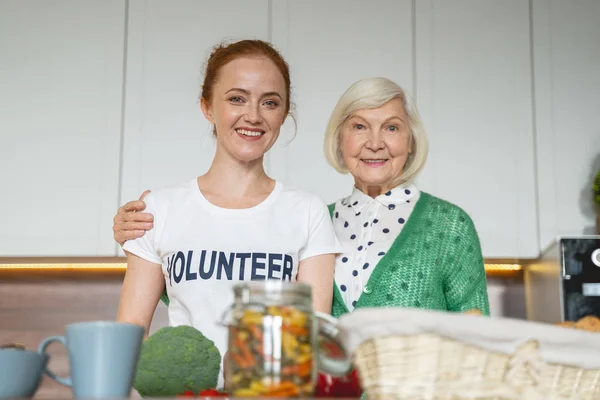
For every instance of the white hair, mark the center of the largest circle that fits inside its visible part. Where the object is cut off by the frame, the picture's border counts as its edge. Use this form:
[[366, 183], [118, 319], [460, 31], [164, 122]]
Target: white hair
[[368, 94]]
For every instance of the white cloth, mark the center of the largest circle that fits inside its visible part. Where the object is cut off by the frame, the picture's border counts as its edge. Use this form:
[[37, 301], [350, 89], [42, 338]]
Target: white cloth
[[557, 344], [205, 249], [367, 227]]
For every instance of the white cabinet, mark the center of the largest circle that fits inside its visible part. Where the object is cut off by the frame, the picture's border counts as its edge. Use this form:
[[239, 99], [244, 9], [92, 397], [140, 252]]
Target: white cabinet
[[567, 89], [61, 69], [330, 45], [100, 101], [474, 92], [167, 140]]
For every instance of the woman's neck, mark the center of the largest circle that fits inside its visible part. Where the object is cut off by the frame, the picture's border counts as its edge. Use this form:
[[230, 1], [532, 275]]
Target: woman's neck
[[375, 190], [370, 190], [231, 183]]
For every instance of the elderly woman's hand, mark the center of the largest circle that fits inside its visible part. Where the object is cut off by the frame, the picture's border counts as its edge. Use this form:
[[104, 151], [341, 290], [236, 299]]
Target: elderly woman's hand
[[130, 222]]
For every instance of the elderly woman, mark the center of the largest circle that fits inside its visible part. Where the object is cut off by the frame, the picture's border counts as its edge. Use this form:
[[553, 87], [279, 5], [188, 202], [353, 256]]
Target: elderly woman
[[401, 246]]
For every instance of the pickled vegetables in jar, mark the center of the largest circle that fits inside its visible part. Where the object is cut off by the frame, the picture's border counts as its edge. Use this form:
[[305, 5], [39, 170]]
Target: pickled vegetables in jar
[[271, 353], [273, 334]]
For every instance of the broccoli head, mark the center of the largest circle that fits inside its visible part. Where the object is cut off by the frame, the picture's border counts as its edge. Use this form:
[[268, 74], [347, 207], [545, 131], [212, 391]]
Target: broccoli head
[[176, 359]]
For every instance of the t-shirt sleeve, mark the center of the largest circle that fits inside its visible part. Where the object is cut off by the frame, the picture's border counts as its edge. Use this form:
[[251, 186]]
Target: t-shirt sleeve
[[145, 246], [321, 234]]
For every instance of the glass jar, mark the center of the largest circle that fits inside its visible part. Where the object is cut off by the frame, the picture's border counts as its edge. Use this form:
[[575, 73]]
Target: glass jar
[[277, 343]]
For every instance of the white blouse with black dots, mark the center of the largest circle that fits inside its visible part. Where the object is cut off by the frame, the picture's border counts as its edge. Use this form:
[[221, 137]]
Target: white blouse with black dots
[[366, 228]]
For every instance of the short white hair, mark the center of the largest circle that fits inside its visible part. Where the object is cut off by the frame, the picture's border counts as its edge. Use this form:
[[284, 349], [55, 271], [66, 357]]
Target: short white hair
[[368, 94]]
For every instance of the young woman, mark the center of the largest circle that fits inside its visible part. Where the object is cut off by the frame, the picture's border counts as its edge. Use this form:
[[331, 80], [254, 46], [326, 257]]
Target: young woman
[[233, 223]]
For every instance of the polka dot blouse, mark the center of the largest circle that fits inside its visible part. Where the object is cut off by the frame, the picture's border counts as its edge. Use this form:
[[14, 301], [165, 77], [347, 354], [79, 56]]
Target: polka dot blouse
[[366, 228]]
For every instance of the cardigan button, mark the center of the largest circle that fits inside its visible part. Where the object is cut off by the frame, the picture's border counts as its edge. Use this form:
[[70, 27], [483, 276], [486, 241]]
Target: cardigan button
[[367, 290]]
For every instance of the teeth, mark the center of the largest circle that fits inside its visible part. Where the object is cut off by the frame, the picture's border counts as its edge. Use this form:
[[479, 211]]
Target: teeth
[[374, 161], [248, 133]]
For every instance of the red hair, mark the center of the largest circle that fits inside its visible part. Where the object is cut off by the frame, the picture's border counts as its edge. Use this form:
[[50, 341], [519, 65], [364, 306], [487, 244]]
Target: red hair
[[223, 54]]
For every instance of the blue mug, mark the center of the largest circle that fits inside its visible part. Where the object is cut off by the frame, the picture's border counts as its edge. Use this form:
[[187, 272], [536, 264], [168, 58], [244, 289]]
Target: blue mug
[[102, 358], [20, 372]]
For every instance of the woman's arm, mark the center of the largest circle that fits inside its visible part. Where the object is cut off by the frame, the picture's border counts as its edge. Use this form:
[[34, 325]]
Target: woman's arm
[[143, 284], [466, 284], [318, 272]]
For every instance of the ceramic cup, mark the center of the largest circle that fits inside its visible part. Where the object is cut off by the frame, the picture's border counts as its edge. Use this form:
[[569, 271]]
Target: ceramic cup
[[20, 372], [102, 358]]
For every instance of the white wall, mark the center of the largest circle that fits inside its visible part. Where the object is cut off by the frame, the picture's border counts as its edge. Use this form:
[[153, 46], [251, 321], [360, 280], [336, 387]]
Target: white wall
[[567, 88], [508, 94], [473, 87], [61, 83]]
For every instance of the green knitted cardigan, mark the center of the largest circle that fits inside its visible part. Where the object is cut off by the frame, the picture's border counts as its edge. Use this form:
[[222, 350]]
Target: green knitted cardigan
[[434, 263]]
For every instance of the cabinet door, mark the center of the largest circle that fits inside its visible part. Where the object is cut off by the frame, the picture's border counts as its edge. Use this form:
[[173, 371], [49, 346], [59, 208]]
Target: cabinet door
[[330, 45], [167, 140], [567, 87], [61, 70], [474, 91]]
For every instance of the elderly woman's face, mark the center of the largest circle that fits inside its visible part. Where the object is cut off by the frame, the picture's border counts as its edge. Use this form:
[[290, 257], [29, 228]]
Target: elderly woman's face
[[375, 145]]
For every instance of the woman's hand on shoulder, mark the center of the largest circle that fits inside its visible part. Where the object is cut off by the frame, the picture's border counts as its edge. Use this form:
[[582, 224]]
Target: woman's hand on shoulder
[[130, 222]]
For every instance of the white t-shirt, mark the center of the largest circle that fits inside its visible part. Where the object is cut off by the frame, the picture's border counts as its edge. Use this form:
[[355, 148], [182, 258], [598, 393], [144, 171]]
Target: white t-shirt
[[204, 250]]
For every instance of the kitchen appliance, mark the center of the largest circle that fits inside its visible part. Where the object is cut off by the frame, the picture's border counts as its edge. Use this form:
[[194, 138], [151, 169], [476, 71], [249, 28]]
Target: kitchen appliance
[[564, 285]]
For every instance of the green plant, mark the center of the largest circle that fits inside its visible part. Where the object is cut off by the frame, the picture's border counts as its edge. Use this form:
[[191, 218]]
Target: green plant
[[177, 359], [596, 189]]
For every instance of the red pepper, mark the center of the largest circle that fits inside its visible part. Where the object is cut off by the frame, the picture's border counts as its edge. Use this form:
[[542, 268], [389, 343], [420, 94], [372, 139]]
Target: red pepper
[[204, 393], [324, 385], [212, 393], [347, 386]]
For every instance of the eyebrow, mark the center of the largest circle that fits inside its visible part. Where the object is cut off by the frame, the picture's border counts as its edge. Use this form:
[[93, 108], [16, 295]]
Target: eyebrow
[[267, 94], [392, 118], [385, 121], [354, 116]]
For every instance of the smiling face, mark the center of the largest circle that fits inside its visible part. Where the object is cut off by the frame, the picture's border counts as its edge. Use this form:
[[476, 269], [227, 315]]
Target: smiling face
[[247, 108], [375, 145]]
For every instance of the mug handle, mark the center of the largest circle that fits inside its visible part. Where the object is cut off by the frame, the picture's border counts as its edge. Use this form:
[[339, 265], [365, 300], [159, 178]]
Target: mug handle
[[42, 349]]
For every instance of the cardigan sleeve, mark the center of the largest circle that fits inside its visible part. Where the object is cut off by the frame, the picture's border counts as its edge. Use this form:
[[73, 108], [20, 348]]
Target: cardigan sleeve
[[465, 285]]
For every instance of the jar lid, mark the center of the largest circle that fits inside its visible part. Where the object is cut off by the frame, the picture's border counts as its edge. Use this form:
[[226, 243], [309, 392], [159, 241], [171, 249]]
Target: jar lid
[[246, 290]]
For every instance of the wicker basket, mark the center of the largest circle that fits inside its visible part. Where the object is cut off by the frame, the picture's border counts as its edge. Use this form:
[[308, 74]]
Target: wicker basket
[[429, 366]]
